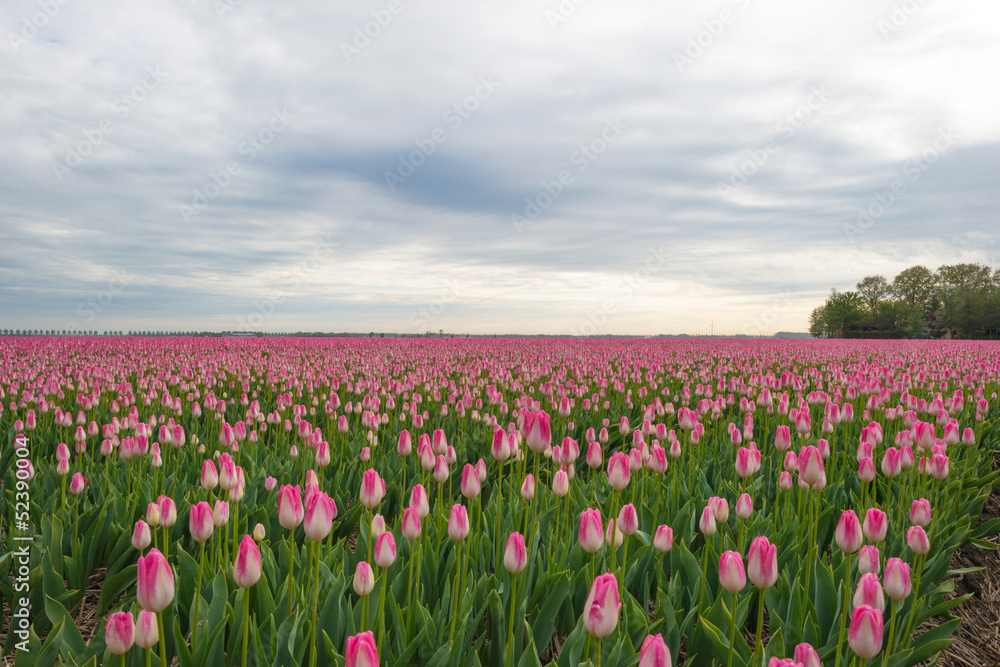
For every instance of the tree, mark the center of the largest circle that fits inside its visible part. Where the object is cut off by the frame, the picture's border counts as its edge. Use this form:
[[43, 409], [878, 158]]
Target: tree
[[817, 322], [843, 310], [914, 286], [873, 289]]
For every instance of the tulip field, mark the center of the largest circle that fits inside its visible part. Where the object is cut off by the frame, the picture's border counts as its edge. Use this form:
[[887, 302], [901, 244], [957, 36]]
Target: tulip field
[[463, 502]]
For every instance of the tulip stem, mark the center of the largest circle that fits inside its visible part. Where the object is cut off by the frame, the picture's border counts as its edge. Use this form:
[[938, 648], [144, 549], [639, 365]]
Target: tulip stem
[[847, 611], [163, 642], [246, 624], [381, 610], [892, 631], [732, 627], [458, 581], [758, 647], [313, 570], [197, 597], [598, 660], [496, 526], [291, 569], [916, 596], [409, 595], [513, 611]]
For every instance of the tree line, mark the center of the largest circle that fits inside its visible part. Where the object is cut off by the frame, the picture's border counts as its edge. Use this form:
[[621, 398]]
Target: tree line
[[956, 301]]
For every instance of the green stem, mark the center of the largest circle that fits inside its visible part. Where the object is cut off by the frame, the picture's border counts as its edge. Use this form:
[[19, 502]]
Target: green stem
[[846, 613], [732, 628], [246, 624], [758, 647], [381, 610], [291, 570], [197, 598], [892, 631], [163, 642], [513, 611]]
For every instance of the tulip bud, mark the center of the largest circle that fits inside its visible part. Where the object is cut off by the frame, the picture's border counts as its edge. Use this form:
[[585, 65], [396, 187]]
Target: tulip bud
[[361, 651], [920, 512], [560, 484], [848, 534], [806, 656], [270, 483], [418, 500], [320, 511], [220, 513], [898, 584], [371, 489], [591, 531], [916, 539], [868, 560], [246, 569], [119, 632], [78, 484], [146, 632], [458, 523], [290, 510], [619, 471], [364, 579], [377, 526], [732, 576], [385, 550], [663, 539], [168, 511], [762, 563], [876, 524], [594, 455], [869, 592], [707, 522], [720, 506], [601, 609], [209, 475], [528, 487], [628, 519], [141, 535], [654, 652], [153, 515], [155, 582], [618, 536], [411, 524], [201, 522], [785, 481], [515, 556], [744, 506], [865, 635], [470, 482]]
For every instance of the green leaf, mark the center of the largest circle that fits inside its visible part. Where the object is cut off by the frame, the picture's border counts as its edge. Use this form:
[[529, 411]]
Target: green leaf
[[113, 587], [530, 656], [543, 621], [988, 529], [72, 641], [983, 544]]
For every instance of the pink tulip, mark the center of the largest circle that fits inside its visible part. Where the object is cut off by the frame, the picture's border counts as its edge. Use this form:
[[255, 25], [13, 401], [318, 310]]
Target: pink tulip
[[762, 563], [153, 515], [916, 539], [782, 438], [418, 500], [259, 533], [371, 489], [119, 632], [591, 531], [481, 470], [869, 592], [141, 535], [528, 487], [290, 510], [619, 472], [364, 579], [806, 656], [146, 631], [732, 576], [458, 523], [865, 635], [600, 611], [628, 519], [220, 513], [361, 651], [848, 534], [385, 550], [898, 584], [246, 570], [920, 512], [707, 523], [62, 467], [201, 522], [744, 506], [594, 455], [560, 484], [617, 536], [320, 511], [155, 582], [866, 470], [875, 525], [470, 482], [720, 507], [209, 475], [868, 560], [663, 539], [810, 463], [411, 524], [168, 511], [62, 452], [654, 652], [537, 431], [441, 471], [785, 481], [744, 462], [77, 484], [515, 556]]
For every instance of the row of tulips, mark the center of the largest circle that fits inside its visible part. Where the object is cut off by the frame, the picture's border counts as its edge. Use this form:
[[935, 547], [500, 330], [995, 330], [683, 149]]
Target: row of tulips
[[281, 540]]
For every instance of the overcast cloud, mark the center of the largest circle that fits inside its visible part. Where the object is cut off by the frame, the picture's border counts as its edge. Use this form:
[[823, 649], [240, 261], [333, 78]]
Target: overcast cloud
[[531, 167]]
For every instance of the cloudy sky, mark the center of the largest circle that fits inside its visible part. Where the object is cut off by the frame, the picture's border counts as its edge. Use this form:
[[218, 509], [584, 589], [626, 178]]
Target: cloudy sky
[[529, 166]]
